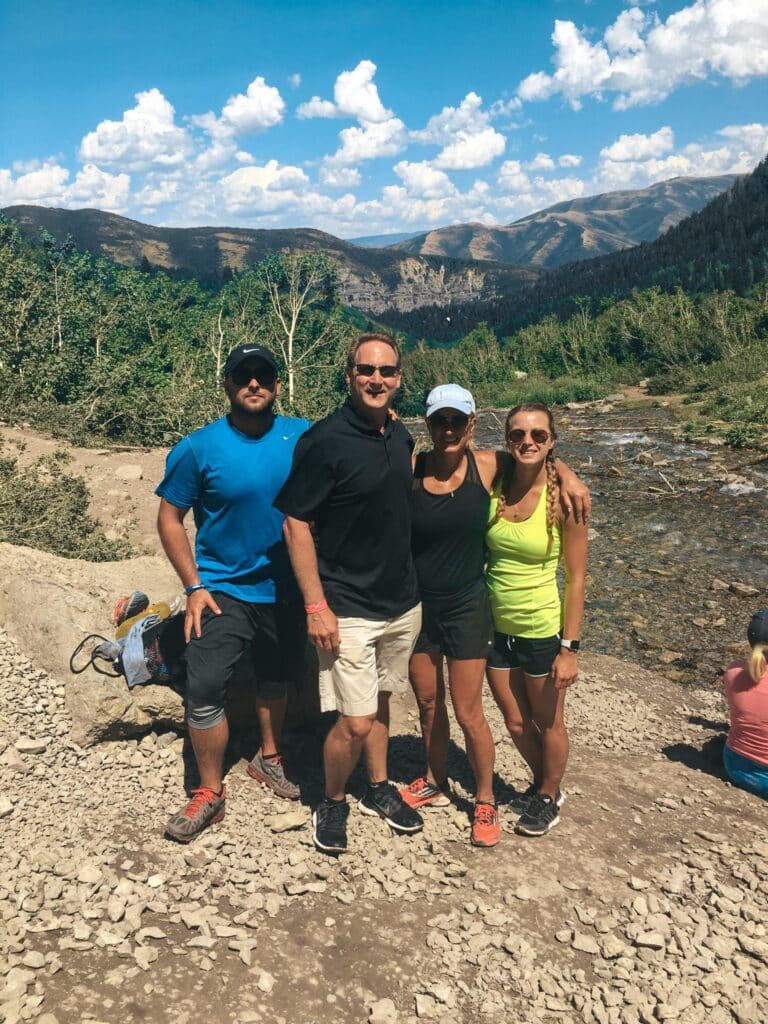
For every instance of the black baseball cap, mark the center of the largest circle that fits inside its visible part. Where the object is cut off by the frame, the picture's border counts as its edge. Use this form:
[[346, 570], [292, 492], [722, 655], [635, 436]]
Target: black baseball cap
[[757, 630], [242, 352]]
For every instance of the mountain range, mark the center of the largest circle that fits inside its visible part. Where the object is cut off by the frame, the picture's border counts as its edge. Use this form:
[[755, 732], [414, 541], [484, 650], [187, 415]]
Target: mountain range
[[460, 265], [577, 229]]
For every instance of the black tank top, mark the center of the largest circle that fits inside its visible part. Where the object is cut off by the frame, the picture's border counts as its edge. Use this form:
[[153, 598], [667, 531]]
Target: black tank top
[[448, 532]]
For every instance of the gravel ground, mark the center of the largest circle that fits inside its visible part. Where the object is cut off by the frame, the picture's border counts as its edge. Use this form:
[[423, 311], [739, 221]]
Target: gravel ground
[[647, 903]]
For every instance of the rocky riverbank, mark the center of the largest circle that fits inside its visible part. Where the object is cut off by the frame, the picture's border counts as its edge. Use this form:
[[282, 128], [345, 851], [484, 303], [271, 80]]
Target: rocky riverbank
[[648, 902]]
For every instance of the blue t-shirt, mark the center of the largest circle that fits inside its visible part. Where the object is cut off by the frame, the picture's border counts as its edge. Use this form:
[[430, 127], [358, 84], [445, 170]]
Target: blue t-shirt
[[230, 481]]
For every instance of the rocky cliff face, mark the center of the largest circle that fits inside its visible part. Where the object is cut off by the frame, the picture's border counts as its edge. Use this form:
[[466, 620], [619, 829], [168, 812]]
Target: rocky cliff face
[[372, 280]]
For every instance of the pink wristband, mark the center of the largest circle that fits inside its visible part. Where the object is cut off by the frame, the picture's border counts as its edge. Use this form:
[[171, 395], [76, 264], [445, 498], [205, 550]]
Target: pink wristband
[[312, 609]]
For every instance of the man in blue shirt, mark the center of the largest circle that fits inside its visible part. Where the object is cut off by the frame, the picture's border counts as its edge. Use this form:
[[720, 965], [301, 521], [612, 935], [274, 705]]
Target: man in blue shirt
[[239, 585]]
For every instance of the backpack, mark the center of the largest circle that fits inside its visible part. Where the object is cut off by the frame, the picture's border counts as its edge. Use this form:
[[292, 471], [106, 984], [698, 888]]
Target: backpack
[[152, 652]]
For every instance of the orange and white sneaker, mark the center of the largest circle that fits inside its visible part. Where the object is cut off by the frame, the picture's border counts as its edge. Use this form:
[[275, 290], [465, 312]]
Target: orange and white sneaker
[[421, 792], [486, 828], [205, 808]]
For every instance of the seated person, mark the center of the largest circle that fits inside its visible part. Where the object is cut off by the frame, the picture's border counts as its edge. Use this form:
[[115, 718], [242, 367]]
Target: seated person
[[746, 689]]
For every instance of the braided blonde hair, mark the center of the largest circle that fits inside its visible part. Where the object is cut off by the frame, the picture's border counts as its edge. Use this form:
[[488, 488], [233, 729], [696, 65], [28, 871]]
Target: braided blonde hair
[[757, 665], [553, 482]]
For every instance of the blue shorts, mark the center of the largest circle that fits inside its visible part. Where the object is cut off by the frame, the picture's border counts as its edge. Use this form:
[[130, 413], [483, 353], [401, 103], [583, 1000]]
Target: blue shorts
[[746, 773]]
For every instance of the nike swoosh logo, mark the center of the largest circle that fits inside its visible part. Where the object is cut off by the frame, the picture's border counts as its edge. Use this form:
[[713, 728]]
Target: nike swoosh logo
[[249, 350]]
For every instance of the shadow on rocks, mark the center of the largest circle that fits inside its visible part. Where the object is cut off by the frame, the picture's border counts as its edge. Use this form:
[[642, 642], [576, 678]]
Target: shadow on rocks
[[707, 759]]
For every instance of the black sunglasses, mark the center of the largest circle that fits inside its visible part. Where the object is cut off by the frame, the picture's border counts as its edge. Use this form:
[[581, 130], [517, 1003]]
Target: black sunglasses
[[368, 370], [457, 422], [243, 375]]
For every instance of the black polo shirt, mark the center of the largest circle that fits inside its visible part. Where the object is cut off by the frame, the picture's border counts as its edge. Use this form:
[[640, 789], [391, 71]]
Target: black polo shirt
[[354, 483]]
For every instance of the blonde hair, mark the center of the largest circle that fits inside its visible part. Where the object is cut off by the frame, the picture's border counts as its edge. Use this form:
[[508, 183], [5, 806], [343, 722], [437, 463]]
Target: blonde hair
[[553, 482], [757, 665]]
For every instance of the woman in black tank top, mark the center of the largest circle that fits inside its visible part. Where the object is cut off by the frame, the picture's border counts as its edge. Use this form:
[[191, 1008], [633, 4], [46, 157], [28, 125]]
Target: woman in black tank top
[[450, 507], [450, 503]]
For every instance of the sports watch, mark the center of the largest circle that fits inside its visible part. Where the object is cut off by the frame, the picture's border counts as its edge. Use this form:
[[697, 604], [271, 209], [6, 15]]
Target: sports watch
[[571, 645]]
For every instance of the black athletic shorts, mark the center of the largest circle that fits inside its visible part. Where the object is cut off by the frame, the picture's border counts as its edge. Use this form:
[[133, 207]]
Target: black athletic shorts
[[533, 655], [266, 643], [459, 626]]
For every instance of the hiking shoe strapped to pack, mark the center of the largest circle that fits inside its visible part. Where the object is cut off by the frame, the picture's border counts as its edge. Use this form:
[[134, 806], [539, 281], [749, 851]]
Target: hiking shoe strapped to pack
[[486, 829], [540, 816], [519, 802], [270, 771], [205, 808], [329, 823], [385, 801], [421, 792]]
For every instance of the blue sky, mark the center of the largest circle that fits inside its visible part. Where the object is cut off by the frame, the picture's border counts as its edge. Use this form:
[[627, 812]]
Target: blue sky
[[364, 119]]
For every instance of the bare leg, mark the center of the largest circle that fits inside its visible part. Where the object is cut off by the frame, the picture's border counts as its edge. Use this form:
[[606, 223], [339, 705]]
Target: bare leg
[[271, 715], [509, 691], [342, 749], [547, 708], [209, 746], [377, 742], [465, 677], [426, 675]]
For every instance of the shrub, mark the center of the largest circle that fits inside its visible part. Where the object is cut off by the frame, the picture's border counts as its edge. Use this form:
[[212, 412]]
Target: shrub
[[42, 506]]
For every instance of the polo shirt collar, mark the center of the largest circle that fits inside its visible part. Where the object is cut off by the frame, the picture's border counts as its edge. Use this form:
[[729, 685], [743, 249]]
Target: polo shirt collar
[[353, 417]]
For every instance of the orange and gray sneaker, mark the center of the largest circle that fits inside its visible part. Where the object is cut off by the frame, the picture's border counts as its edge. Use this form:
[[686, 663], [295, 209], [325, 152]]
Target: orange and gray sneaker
[[205, 808], [486, 829], [421, 792]]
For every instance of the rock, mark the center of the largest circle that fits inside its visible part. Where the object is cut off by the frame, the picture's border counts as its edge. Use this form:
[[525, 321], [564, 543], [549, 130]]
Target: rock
[[383, 1011], [650, 940], [585, 944], [29, 745], [743, 589], [717, 584], [129, 472], [265, 982], [6, 806], [286, 821]]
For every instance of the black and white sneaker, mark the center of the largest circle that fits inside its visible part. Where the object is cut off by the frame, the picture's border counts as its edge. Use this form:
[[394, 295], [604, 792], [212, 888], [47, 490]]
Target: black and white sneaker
[[519, 802], [385, 801], [539, 817], [329, 820]]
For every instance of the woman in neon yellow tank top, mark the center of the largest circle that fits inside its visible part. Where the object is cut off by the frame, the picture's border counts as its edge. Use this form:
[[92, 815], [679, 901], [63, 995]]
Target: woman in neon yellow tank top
[[535, 652]]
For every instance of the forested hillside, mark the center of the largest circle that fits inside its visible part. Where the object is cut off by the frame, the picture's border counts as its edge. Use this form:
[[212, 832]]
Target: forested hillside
[[723, 246]]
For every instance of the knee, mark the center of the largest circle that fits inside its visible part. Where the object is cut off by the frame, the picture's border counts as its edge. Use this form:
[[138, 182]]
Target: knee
[[358, 728], [471, 720], [428, 705], [516, 725]]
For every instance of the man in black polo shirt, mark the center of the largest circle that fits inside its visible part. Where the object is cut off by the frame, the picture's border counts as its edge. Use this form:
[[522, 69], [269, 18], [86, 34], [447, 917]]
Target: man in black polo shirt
[[351, 477]]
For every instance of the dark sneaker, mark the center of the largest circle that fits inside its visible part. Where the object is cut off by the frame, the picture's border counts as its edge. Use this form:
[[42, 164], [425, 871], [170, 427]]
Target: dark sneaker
[[421, 792], [205, 808], [329, 820], [539, 817], [519, 802], [385, 801], [270, 771], [486, 828]]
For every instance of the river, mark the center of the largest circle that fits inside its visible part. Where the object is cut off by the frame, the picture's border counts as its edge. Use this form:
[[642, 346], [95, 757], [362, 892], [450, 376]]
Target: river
[[678, 539]]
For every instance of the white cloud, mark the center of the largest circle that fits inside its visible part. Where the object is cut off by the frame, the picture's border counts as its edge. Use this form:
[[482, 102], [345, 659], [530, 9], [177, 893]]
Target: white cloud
[[541, 162], [512, 178], [295, 80], [339, 177], [639, 147], [260, 107], [736, 149], [476, 150], [422, 179], [642, 60], [49, 185], [385, 138], [569, 160], [316, 108], [147, 136], [355, 96], [261, 188]]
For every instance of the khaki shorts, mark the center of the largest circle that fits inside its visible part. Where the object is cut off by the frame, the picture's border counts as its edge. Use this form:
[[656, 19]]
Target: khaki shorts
[[373, 658]]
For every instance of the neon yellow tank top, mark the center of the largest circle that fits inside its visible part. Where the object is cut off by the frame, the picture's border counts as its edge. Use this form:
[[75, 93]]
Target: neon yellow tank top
[[522, 573]]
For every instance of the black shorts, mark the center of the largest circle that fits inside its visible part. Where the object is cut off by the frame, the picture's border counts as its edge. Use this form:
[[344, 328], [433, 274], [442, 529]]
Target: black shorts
[[265, 644], [460, 626], [534, 655]]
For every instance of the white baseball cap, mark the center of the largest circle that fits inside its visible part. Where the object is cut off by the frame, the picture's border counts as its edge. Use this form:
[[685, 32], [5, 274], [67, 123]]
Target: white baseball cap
[[450, 396]]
